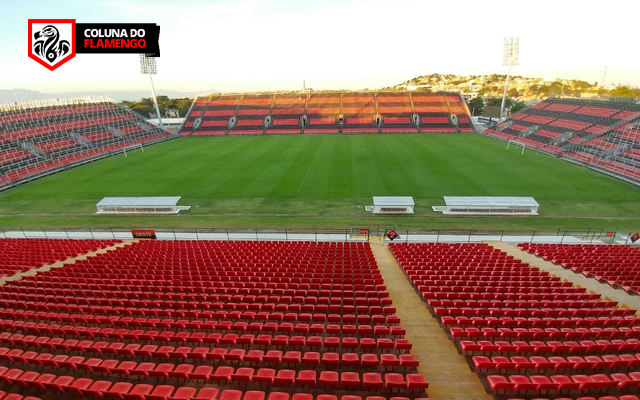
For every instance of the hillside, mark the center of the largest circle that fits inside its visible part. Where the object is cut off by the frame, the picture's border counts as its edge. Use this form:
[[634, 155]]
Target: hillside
[[524, 88]]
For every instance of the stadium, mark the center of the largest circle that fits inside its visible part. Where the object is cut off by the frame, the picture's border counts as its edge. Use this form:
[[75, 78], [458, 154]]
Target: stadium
[[299, 244]]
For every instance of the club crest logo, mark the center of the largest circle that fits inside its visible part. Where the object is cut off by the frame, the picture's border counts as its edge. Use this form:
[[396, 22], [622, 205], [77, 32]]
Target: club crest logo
[[52, 41]]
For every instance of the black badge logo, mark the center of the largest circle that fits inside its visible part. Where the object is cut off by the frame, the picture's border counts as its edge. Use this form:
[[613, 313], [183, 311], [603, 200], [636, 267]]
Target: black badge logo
[[47, 44]]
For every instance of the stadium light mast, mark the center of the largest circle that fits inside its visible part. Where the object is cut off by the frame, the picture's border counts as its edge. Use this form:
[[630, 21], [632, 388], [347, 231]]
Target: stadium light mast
[[148, 66], [510, 59]]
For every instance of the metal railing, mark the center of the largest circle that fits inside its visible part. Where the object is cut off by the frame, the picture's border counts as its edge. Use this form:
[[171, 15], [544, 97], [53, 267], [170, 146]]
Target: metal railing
[[361, 234]]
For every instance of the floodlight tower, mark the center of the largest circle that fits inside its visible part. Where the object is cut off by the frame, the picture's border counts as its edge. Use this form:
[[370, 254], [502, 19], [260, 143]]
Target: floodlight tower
[[148, 66], [510, 58]]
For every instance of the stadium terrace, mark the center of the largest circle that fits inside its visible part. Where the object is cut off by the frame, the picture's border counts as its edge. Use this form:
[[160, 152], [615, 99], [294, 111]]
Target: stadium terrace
[[439, 238]]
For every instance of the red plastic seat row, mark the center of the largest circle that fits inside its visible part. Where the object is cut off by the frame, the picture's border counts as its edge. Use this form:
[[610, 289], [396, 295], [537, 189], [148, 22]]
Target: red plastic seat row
[[225, 259], [283, 377], [220, 322], [439, 293], [194, 282], [200, 337], [555, 288], [89, 387], [232, 268], [326, 379], [532, 312], [562, 322], [278, 255], [452, 270], [192, 290], [623, 361], [380, 298], [212, 294], [539, 383], [128, 281], [623, 397], [283, 341], [546, 333], [189, 290], [490, 288], [463, 262], [15, 396], [231, 394], [286, 279], [365, 311], [453, 277], [365, 360], [523, 347], [522, 303], [223, 302], [181, 329], [100, 317]]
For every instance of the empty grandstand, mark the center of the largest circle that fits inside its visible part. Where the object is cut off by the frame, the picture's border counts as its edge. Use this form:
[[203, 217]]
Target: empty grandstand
[[616, 265], [327, 113], [41, 137], [479, 272], [602, 135], [526, 333], [207, 320], [23, 254]]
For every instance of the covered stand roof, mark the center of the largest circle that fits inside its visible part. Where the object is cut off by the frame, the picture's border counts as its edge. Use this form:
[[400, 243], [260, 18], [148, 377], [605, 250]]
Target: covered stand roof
[[393, 201], [485, 201], [141, 202]]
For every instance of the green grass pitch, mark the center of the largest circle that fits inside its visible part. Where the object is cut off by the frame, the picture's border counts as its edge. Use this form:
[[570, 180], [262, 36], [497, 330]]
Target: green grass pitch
[[325, 182]]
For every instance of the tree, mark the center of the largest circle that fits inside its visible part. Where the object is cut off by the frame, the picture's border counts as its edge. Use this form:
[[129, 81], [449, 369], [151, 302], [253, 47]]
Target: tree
[[146, 107], [557, 88], [476, 106], [581, 85], [513, 92], [511, 105], [517, 106], [183, 105], [497, 101], [485, 90], [540, 90], [625, 91], [143, 107]]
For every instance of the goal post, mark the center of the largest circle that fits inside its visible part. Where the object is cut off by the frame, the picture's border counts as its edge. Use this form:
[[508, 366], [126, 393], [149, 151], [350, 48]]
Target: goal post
[[516, 144]]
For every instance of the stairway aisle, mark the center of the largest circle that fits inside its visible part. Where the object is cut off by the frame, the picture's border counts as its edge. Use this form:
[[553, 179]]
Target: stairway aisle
[[448, 374], [60, 264]]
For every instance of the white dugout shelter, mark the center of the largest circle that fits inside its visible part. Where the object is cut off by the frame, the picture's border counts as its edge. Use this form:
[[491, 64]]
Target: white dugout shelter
[[136, 205], [393, 205], [489, 205]]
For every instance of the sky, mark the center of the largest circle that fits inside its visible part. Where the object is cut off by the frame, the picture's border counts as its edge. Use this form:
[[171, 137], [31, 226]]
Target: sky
[[255, 45]]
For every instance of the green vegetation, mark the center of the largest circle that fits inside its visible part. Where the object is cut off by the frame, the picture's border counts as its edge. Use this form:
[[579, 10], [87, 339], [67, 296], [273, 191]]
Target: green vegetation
[[476, 105], [146, 108], [527, 87], [325, 182], [625, 91]]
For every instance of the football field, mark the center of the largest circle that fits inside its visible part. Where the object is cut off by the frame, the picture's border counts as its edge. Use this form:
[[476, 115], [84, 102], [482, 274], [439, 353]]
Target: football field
[[324, 182]]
